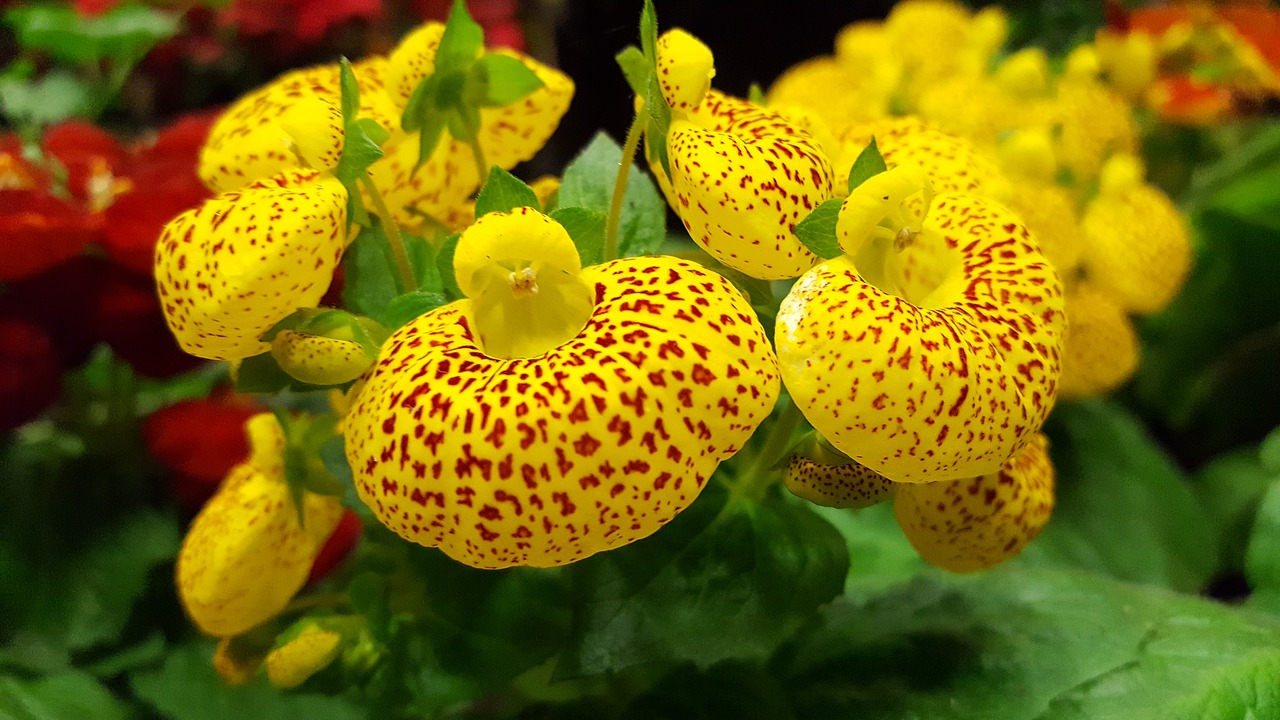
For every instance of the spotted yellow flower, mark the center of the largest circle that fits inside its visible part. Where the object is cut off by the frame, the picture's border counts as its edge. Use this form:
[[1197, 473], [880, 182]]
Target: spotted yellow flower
[[558, 411], [937, 377], [742, 176], [976, 523], [1138, 248], [1094, 123], [241, 262], [1102, 347], [247, 553], [685, 69], [840, 486], [826, 86]]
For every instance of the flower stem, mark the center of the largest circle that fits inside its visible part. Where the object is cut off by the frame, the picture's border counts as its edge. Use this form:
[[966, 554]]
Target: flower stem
[[478, 155], [761, 474], [394, 238], [620, 185]]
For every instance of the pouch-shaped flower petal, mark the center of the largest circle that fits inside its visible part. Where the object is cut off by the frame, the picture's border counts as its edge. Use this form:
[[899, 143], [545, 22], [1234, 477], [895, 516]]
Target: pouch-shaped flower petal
[[241, 262], [255, 137], [685, 69], [947, 383], [246, 554], [1102, 346], [974, 524], [741, 178], [1137, 246], [593, 443], [837, 486]]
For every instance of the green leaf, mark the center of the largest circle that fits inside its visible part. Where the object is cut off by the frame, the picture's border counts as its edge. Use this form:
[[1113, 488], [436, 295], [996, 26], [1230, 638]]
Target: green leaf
[[1230, 488], [655, 106], [1123, 507], [818, 230], [187, 688], [444, 264], [70, 695], [1262, 558], [588, 183], [869, 163], [411, 306], [372, 279], [124, 33], [503, 192], [649, 32], [586, 227], [261, 374], [360, 149], [463, 38], [53, 98], [635, 68], [1018, 642], [501, 80], [90, 598], [724, 580]]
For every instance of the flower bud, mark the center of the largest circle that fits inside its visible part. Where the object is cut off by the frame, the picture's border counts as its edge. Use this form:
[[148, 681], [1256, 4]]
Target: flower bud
[[685, 69]]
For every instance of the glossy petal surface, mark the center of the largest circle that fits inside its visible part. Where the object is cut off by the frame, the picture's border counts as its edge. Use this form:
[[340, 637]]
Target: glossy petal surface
[[241, 262], [948, 386], [953, 164], [741, 178], [245, 555], [837, 486], [974, 524], [595, 444]]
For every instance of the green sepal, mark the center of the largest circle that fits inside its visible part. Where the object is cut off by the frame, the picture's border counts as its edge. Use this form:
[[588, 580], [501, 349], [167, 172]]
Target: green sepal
[[656, 107], [635, 68], [444, 264], [818, 230], [755, 94], [869, 164], [303, 470], [586, 227], [503, 192], [261, 374], [496, 80], [411, 306], [360, 147], [463, 38]]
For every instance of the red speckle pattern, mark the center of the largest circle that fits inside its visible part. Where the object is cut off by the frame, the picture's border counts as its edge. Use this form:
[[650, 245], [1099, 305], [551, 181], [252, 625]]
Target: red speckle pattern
[[974, 524], [837, 486], [241, 262], [595, 444], [742, 176], [946, 389]]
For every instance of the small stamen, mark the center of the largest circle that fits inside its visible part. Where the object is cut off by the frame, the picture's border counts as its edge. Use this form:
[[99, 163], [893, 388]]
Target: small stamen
[[905, 238], [523, 283]]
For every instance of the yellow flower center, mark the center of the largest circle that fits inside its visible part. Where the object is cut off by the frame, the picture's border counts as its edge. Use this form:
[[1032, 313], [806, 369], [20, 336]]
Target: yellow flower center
[[880, 219], [522, 274]]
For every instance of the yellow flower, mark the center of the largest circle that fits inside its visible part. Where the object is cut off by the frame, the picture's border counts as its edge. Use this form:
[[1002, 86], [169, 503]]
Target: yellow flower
[[246, 555], [241, 262], [1137, 246], [307, 653], [825, 86], [952, 164], [839, 486], [1094, 123], [255, 137], [742, 176], [976, 523], [595, 441], [1049, 213], [685, 69], [936, 39], [1102, 346], [931, 349]]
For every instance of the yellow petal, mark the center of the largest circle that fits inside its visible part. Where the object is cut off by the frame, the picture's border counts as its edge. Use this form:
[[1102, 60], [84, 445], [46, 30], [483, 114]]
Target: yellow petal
[[289, 665], [951, 163], [741, 178], [315, 131], [1102, 346], [927, 36], [1049, 213], [514, 133], [685, 69], [252, 139], [245, 555], [974, 524], [319, 360], [241, 262], [947, 385], [1137, 248], [595, 444], [825, 86], [1095, 122], [413, 59], [837, 486]]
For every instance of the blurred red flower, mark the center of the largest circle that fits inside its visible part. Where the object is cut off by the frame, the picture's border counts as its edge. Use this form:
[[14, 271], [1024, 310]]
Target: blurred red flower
[[30, 374], [344, 539], [199, 441]]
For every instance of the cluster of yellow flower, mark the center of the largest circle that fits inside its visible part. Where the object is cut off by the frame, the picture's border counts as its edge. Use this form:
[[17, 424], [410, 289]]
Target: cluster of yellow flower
[[1064, 145]]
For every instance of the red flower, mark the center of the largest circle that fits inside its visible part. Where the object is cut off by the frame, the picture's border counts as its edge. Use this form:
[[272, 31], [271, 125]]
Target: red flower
[[127, 316], [94, 8], [38, 231], [30, 376], [62, 301], [344, 539], [198, 441], [92, 157]]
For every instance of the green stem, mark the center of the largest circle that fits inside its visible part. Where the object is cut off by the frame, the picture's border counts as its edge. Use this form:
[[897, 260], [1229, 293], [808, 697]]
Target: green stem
[[478, 155], [620, 185], [394, 238], [761, 474], [327, 601]]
